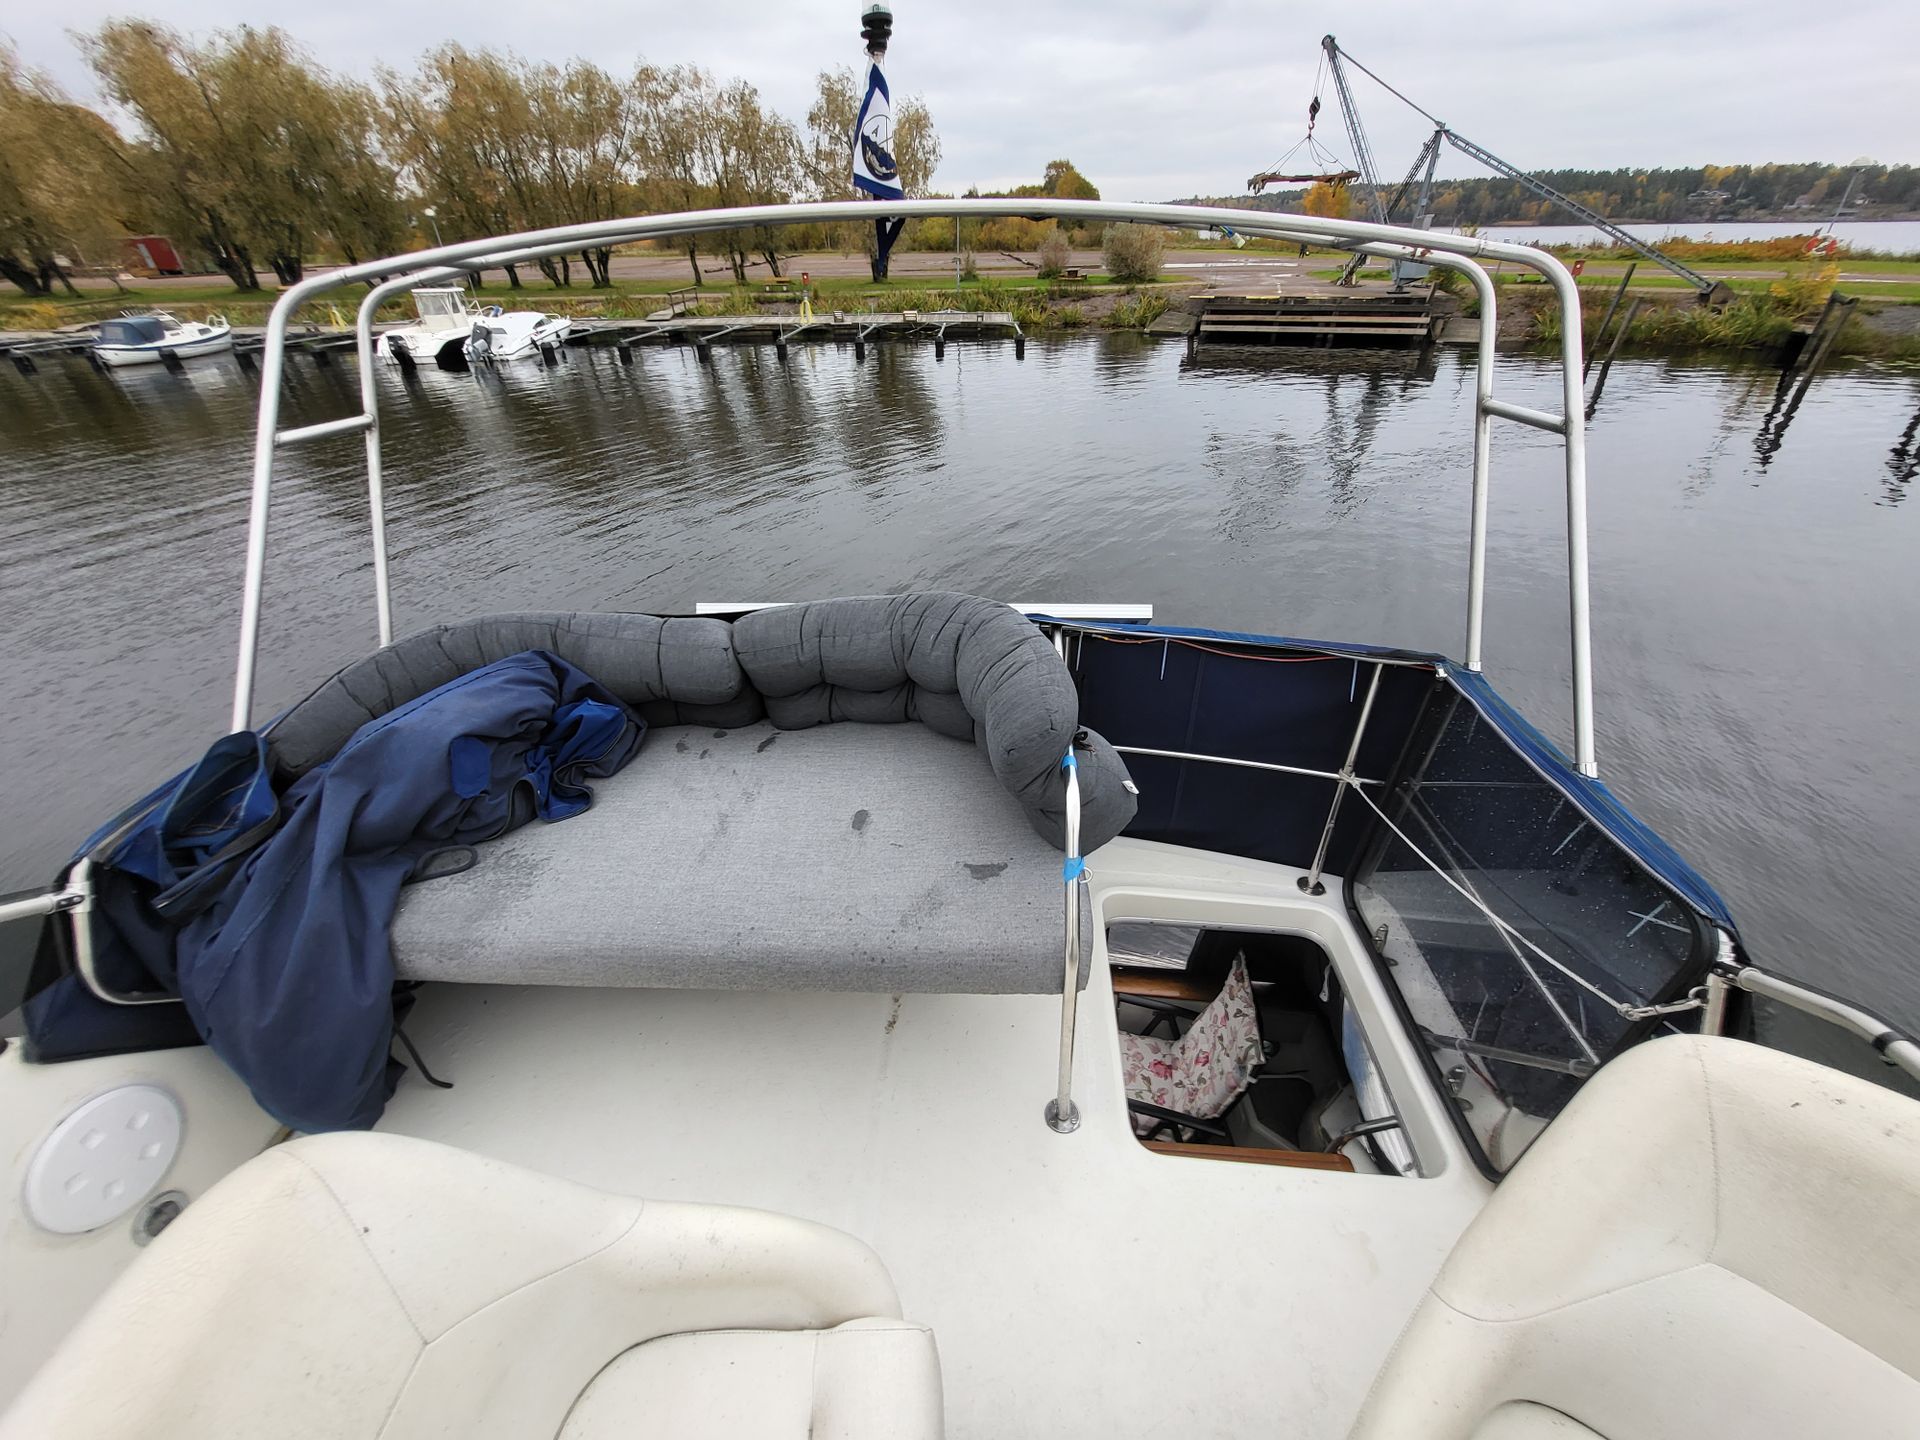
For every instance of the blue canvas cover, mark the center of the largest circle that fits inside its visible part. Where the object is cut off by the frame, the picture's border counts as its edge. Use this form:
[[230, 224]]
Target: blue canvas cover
[[283, 958]]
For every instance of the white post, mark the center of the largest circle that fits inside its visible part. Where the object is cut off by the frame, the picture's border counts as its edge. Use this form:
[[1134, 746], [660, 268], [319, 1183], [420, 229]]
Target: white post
[[1061, 1113]]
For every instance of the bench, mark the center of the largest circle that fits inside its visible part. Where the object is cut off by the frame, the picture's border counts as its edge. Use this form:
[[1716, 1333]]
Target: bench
[[757, 841]]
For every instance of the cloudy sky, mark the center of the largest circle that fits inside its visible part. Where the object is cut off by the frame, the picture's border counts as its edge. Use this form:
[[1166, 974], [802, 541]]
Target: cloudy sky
[[1155, 99]]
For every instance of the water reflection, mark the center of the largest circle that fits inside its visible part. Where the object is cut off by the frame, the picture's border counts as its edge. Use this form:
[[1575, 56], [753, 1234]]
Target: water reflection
[[1903, 462]]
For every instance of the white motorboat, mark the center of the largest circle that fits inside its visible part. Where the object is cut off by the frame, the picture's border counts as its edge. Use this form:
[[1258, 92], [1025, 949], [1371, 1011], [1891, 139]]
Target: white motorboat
[[151, 339], [443, 319], [1128, 1029], [515, 334]]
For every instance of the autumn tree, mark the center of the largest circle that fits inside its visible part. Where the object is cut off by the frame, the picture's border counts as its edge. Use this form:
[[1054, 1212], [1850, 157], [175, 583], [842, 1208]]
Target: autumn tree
[[1328, 199], [1061, 181], [246, 145], [499, 144], [60, 191], [749, 156], [664, 144]]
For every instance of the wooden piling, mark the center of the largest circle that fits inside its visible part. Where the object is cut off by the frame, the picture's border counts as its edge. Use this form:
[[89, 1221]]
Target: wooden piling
[[1619, 336], [1593, 341], [1832, 322]]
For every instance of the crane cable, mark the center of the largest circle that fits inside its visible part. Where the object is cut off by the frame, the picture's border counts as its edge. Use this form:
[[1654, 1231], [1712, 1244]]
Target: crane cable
[[1329, 168]]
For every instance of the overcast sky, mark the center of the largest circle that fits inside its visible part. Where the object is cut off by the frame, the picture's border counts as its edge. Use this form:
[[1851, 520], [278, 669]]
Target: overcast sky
[[1155, 99]]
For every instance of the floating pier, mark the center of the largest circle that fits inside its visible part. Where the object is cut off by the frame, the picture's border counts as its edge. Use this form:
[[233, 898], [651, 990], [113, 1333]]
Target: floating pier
[[1389, 321], [782, 330]]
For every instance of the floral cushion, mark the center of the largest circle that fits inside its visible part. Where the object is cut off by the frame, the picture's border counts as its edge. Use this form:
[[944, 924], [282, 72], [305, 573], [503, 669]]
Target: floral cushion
[[1204, 1071]]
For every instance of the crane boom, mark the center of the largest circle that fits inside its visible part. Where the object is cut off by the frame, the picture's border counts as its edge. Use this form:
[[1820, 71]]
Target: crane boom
[[1585, 212], [1421, 171], [1356, 135], [1709, 289]]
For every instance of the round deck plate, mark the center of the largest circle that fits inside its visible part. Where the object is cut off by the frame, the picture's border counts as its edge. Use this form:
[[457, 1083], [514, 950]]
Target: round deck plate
[[103, 1159]]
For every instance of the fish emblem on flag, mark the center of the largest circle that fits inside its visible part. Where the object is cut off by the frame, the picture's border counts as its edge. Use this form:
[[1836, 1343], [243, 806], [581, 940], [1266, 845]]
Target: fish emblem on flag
[[874, 169]]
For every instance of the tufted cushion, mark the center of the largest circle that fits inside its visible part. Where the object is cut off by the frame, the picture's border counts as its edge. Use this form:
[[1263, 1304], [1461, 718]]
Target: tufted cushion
[[964, 666]]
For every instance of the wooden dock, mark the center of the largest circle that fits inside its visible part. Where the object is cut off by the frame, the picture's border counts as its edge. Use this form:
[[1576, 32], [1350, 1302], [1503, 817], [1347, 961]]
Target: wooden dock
[[781, 330], [1400, 322]]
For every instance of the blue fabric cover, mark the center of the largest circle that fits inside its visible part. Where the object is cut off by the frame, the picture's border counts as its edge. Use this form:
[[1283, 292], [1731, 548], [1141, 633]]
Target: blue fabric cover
[[1590, 796], [288, 974]]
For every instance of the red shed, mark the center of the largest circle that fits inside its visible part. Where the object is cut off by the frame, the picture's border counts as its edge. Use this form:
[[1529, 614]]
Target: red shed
[[153, 255]]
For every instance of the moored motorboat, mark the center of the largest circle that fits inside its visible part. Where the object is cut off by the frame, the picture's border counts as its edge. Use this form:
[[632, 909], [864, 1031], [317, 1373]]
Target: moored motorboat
[[1397, 1080], [515, 334], [443, 318], [151, 339]]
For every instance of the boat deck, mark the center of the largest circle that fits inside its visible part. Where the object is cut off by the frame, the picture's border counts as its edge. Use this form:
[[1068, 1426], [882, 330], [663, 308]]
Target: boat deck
[[1078, 1285]]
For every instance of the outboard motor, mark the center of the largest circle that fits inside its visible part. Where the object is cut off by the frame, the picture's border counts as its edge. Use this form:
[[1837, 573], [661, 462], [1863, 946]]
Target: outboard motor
[[480, 342], [401, 352]]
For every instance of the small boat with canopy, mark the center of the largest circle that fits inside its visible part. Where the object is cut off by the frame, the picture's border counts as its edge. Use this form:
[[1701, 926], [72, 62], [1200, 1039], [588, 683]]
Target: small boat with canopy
[[153, 338]]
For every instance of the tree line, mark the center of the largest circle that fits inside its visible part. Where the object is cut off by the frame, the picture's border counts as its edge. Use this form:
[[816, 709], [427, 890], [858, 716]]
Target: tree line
[[253, 158], [1707, 192]]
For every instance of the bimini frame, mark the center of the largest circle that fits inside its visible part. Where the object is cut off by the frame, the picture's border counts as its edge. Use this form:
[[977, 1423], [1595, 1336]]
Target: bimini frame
[[448, 262]]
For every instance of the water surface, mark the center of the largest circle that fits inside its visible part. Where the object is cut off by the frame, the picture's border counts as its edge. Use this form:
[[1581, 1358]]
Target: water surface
[[1756, 592]]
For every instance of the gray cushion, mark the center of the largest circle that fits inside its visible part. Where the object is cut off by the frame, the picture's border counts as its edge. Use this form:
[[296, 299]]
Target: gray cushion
[[673, 671], [967, 667], [869, 858]]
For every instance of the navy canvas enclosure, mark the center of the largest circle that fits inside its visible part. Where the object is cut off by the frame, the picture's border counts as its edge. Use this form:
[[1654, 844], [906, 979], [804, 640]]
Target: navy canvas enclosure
[[288, 973]]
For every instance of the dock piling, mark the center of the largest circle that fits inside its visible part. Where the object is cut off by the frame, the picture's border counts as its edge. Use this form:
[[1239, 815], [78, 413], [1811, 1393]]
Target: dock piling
[[1626, 324], [1839, 310], [1593, 341]]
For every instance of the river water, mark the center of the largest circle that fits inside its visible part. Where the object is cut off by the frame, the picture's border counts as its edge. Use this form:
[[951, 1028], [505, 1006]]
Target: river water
[[1882, 237], [1756, 590]]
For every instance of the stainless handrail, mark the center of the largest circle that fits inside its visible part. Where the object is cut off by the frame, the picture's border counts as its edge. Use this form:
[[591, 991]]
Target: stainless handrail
[[1457, 252], [1061, 1112], [1899, 1048]]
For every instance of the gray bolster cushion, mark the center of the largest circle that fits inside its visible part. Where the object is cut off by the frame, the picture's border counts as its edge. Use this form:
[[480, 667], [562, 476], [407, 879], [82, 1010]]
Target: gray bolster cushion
[[963, 666], [674, 672]]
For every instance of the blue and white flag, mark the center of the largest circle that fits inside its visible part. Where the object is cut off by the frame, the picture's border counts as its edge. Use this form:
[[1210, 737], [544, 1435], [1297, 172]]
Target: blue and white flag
[[874, 170]]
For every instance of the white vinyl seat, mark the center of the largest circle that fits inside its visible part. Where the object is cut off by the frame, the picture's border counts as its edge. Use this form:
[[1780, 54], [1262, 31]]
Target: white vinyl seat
[[362, 1285], [1714, 1240]]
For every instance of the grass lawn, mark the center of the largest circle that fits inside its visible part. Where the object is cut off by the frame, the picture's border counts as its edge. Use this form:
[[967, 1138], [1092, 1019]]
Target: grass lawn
[[47, 312]]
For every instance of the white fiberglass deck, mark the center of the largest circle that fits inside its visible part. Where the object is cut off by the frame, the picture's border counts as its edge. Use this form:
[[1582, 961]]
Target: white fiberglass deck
[[1078, 1285]]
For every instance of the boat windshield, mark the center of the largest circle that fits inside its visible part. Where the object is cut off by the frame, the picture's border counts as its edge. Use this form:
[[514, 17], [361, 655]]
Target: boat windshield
[[431, 304], [1525, 941], [134, 330]]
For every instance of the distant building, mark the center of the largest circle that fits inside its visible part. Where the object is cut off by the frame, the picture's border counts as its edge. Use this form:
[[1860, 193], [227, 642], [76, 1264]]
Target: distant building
[[153, 255]]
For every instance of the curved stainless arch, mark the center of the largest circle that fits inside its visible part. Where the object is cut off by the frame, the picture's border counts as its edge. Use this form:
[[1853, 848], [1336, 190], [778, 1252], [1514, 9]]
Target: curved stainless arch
[[1457, 252]]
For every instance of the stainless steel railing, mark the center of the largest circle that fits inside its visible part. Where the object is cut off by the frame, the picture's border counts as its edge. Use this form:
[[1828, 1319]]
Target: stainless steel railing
[[1899, 1048], [1061, 1112], [1455, 252]]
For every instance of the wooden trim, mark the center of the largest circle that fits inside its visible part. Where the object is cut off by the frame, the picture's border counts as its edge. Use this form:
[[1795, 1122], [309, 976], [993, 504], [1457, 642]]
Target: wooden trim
[[1173, 985], [1298, 1159]]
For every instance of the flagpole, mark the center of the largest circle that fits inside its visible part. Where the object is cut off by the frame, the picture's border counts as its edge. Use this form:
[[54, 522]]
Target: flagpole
[[876, 29]]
